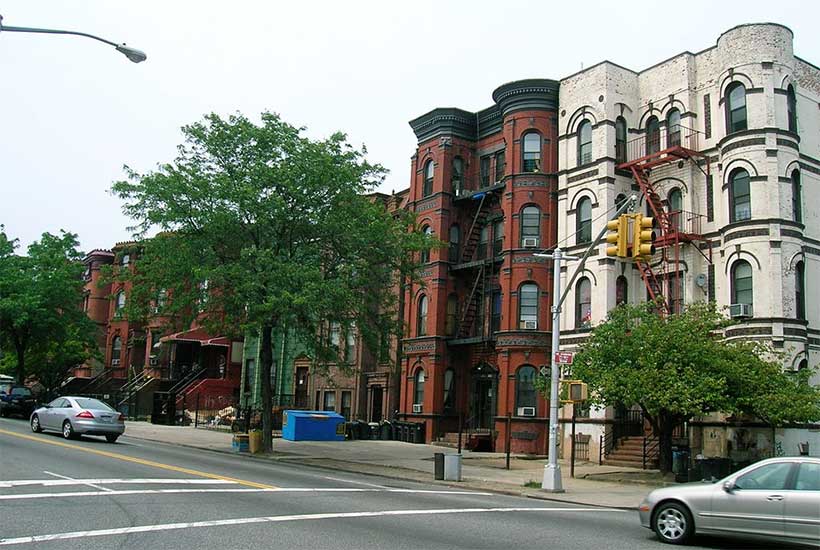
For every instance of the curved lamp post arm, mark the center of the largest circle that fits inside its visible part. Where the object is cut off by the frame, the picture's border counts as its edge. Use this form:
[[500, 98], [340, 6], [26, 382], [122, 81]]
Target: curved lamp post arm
[[135, 55]]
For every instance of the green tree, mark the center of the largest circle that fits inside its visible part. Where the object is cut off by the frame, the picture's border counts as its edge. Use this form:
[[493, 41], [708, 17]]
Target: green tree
[[264, 229], [679, 366], [40, 298]]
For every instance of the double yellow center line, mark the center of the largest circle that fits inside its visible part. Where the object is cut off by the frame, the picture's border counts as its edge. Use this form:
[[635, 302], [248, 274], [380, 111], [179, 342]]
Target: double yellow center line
[[142, 461]]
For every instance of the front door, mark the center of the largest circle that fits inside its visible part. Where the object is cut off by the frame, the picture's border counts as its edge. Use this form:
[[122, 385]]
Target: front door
[[376, 407], [484, 385], [301, 391]]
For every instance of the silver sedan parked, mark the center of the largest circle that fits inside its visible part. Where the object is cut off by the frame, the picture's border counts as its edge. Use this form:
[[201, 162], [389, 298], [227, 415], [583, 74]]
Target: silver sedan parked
[[74, 416], [777, 499]]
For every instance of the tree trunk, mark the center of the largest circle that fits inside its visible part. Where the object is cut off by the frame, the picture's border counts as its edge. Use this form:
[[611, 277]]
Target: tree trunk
[[666, 424], [266, 364], [20, 373]]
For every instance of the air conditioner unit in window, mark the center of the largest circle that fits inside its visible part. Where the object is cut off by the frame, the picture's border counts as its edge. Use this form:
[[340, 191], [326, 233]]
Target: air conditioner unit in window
[[530, 242], [416, 407], [526, 411], [739, 311], [529, 325], [153, 362], [115, 362]]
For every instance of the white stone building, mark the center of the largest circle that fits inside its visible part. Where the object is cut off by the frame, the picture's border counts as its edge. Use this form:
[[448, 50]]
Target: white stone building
[[751, 109]]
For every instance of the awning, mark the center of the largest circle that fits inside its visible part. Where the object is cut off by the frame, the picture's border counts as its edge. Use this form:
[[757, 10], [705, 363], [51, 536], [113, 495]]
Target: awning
[[198, 335]]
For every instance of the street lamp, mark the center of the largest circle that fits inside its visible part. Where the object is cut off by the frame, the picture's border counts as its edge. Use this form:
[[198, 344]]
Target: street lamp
[[135, 55]]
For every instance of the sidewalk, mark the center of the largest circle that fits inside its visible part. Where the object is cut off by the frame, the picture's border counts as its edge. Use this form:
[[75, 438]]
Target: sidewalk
[[394, 459]]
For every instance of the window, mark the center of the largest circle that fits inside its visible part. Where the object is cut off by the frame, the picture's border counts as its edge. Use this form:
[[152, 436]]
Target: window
[[583, 303], [498, 237], [350, 345], [532, 152], [525, 387], [483, 242], [675, 201], [495, 313], [735, 108], [451, 323], [203, 294], [808, 477], [771, 477], [162, 298], [797, 199], [740, 198], [455, 236], [620, 200], [621, 291], [421, 324], [484, 171], [791, 108], [673, 128], [250, 373], [86, 301], [653, 135], [429, 170], [675, 293], [457, 180], [126, 259], [449, 390], [120, 302], [620, 140], [528, 306], [425, 254], [799, 289], [116, 347], [418, 388], [742, 283], [329, 401], [335, 334], [530, 224], [346, 404], [584, 142], [500, 165], [583, 223]]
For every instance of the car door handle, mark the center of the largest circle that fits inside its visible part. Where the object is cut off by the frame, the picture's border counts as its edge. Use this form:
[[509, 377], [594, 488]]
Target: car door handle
[[774, 497]]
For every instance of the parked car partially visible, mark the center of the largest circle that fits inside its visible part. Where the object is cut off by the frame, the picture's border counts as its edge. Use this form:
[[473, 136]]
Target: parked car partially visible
[[15, 399], [76, 416], [774, 500]]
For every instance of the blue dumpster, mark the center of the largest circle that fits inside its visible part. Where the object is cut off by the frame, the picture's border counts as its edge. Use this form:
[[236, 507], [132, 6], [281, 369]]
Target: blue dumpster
[[313, 426]]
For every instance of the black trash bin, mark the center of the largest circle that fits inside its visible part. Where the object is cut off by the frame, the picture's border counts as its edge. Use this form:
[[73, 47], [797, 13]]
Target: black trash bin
[[438, 463], [418, 433], [395, 432], [362, 429], [351, 430], [386, 431]]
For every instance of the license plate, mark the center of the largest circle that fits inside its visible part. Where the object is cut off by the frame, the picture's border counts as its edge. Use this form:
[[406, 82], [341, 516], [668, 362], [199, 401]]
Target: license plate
[[105, 418]]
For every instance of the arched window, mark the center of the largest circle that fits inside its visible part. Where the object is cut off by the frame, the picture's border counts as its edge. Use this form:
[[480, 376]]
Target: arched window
[[799, 289], [583, 221], [116, 348], [797, 199], [418, 388], [620, 200], [425, 254], [528, 306], [653, 135], [429, 170], [621, 291], [449, 390], [675, 200], [525, 387], [531, 225], [584, 142], [735, 108], [803, 364], [455, 237], [791, 108], [421, 321], [451, 323], [742, 283], [498, 237], [673, 128], [620, 140], [583, 303], [120, 303], [740, 198], [457, 181], [532, 152]]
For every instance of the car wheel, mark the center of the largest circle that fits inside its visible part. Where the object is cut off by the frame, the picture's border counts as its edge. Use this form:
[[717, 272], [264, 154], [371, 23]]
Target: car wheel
[[111, 438], [68, 431], [35, 424], [673, 523]]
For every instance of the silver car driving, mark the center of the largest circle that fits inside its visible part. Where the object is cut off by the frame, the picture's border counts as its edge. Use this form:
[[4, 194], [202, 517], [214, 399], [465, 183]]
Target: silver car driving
[[74, 416], [777, 499]]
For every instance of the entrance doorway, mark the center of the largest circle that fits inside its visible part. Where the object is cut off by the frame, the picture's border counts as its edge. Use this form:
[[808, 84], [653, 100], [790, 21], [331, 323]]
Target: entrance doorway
[[483, 396], [376, 406], [300, 396]]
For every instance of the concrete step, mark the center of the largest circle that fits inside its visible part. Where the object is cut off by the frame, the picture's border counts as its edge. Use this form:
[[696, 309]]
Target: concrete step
[[630, 463]]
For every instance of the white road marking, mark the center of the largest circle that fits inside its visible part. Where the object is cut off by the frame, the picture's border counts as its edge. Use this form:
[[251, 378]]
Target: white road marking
[[66, 478], [111, 492], [279, 519], [356, 482], [114, 481]]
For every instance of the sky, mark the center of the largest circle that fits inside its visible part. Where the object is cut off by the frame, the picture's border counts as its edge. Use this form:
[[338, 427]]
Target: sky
[[73, 111]]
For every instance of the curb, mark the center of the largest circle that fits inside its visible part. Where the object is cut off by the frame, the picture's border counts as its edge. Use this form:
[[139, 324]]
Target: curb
[[339, 466]]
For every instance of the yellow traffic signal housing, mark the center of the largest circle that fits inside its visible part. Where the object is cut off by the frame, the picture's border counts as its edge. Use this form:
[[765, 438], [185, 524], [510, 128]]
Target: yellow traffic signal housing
[[574, 391], [617, 240], [643, 238]]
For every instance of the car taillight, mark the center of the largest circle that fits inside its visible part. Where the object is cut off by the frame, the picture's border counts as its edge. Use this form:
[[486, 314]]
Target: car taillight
[[84, 414], [121, 419]]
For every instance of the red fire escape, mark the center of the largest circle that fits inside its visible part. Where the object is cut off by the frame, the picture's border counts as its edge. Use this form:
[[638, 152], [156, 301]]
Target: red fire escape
[[662, 273]]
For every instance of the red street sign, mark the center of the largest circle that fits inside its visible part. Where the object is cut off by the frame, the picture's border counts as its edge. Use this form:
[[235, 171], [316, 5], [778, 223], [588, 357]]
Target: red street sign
[[563, 357]]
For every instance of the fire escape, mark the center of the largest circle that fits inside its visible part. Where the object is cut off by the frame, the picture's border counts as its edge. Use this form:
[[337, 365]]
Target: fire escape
[[662, 273]]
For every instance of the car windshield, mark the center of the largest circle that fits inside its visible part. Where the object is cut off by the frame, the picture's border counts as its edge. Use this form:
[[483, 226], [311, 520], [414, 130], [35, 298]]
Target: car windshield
[[21, 391], [86, 403]]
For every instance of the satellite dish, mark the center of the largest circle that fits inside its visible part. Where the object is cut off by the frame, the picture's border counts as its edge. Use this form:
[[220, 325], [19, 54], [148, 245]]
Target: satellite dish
[[700, 280]]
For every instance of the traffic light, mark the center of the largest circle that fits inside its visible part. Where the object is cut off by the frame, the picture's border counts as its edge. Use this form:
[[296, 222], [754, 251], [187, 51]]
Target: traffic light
[[643, 238], [617, 240], [574, 391]]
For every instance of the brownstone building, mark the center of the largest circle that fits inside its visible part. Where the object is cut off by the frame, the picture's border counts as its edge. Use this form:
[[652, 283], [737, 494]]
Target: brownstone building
[[478, 327]]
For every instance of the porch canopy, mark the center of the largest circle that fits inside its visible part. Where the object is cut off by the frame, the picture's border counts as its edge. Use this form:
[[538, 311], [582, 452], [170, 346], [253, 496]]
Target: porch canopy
[[197, 335]]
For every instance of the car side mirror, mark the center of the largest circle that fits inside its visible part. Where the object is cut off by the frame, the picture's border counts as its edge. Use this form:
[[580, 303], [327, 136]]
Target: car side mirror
[[46, 406], [729, 486]]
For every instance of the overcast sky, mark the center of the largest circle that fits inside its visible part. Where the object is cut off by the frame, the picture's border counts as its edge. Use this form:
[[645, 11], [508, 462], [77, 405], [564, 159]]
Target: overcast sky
[[74, 110]]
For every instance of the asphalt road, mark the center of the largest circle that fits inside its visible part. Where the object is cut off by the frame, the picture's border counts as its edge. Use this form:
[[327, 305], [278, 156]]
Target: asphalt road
[[88, 494]]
